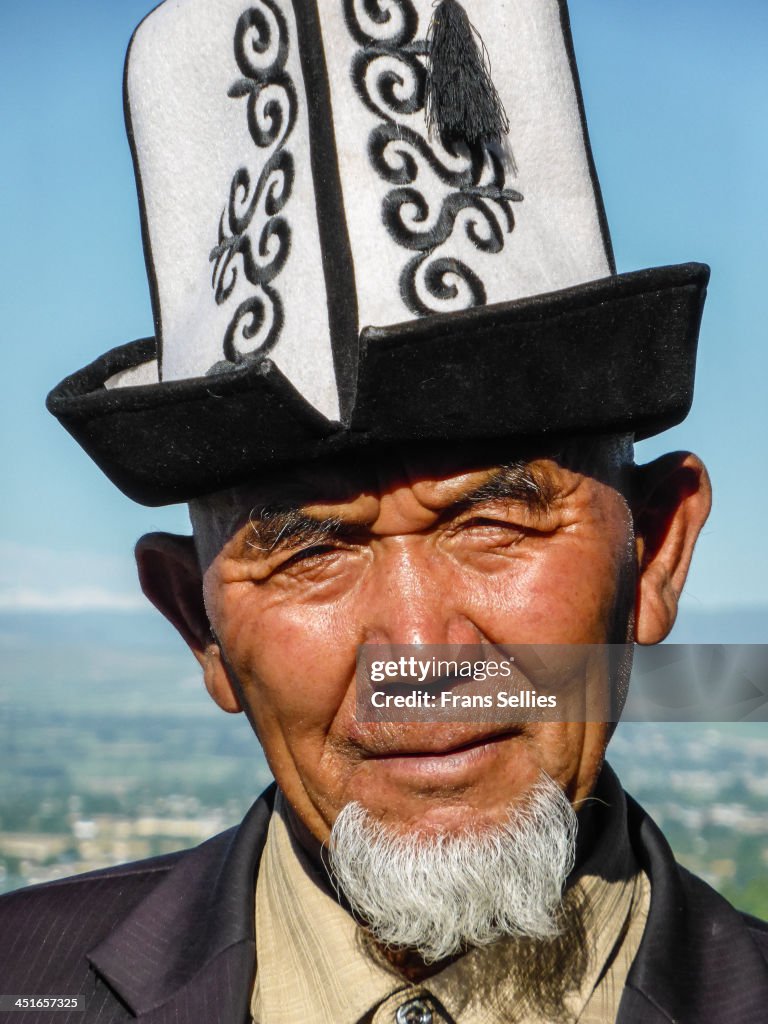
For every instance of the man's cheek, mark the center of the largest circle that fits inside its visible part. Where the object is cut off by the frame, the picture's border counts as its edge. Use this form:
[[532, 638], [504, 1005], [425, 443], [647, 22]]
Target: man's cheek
[[296, 670], [263, 617], [550, 600], [518, 597]]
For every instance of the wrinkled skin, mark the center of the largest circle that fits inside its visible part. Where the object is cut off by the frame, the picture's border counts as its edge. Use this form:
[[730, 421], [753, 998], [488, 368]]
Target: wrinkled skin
[[608, 551]]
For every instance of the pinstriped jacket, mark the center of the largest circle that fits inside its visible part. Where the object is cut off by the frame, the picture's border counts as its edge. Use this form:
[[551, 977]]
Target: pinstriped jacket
[[171, 940]]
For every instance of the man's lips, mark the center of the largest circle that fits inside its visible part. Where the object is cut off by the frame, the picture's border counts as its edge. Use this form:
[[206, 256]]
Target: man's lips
[[433, 746], [438, 758]]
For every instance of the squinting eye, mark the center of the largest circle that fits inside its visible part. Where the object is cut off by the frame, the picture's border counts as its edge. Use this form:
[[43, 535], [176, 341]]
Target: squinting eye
[[507, 530], [307, 554], [498, 524]]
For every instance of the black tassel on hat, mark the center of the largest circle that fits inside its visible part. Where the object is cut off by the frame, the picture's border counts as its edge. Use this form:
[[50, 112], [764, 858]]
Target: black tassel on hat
[[461, 99]]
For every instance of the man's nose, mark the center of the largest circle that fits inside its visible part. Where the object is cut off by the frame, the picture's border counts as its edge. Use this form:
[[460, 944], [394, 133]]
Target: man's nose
[[414, 596]]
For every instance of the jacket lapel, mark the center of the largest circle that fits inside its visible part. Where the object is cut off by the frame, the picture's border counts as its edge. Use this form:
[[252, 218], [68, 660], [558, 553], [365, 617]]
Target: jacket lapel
[[697, 963], [187, 952]]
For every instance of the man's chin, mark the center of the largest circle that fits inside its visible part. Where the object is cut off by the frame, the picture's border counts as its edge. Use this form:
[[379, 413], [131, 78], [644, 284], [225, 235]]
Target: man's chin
[[440, 890], [436, 821]]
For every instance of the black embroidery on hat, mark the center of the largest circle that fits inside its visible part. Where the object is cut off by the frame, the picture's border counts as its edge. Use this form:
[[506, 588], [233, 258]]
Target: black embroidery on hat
[[261, 50], [389, 75]]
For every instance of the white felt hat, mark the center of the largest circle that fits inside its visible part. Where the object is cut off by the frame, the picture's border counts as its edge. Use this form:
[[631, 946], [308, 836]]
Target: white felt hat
[[329, 269]]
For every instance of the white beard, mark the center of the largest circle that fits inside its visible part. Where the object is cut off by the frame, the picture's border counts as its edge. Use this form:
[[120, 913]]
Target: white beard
[[439, 893]]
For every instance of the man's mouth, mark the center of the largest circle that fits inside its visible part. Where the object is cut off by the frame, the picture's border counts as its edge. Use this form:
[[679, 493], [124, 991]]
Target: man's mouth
[[434, 757], [434, 748]]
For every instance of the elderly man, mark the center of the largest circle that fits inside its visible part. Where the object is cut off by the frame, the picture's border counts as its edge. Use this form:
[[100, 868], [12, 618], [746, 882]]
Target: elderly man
[[398, 381]]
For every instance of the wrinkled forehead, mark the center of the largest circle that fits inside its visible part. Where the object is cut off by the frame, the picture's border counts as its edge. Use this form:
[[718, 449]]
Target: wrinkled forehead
[[336, 481]]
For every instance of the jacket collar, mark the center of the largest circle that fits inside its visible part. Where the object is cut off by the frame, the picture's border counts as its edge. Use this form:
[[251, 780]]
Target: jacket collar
[[167, 958]]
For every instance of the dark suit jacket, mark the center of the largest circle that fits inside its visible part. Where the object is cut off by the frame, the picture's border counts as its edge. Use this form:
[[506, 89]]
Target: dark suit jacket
[[171, 940]]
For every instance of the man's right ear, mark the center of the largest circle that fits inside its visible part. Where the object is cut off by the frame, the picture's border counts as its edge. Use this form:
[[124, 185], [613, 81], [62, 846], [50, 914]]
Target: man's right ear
[[170, 576]]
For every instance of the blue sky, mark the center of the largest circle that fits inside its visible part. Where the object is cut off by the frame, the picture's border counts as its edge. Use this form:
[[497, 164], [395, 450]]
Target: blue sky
[[676, 95]]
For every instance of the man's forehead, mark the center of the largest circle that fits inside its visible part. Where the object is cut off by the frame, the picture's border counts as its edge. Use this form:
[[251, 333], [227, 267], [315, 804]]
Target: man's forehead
[[335, 479], [437, 472]]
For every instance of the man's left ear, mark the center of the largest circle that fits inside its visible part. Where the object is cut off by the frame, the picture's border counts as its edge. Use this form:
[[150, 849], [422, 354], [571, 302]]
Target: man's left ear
[[170, 576], [671, 500]]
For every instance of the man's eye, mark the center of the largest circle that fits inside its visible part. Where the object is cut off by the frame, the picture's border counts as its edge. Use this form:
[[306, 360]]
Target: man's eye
[[315, 552], [508, 528], [485, 522]]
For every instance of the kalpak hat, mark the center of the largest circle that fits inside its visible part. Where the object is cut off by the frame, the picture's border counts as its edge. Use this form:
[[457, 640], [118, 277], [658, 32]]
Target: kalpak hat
[[369, 222]]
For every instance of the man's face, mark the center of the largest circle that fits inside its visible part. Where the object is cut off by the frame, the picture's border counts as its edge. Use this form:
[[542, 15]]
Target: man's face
[[415, 551]]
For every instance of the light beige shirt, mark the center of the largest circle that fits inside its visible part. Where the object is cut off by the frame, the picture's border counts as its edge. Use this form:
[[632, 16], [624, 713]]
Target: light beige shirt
[[313, 966]]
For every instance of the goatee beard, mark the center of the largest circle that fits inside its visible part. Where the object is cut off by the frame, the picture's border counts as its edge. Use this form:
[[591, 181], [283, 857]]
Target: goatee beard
[[439, 893]]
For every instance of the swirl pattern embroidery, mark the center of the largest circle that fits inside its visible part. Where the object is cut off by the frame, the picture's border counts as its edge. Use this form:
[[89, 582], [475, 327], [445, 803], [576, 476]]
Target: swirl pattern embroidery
[[261, 49], [388, 73]]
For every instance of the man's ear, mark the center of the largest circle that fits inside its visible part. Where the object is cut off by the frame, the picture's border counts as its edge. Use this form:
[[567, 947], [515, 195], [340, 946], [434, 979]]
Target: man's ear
[[670, 503], [170, 576]]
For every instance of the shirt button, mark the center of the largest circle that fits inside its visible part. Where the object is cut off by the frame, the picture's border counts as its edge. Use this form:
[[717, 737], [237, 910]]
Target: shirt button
[[416, 1011]]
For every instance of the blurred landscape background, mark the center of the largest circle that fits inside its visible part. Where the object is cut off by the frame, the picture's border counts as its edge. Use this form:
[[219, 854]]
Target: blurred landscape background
[[112, 751]]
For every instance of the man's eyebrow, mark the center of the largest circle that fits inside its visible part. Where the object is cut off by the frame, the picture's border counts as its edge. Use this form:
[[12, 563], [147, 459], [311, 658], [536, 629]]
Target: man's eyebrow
[[273, 528], [517, 482]]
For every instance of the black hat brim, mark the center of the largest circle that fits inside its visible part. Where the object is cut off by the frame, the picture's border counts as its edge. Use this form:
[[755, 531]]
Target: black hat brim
[[611, 356]]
